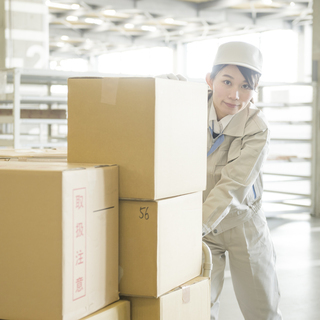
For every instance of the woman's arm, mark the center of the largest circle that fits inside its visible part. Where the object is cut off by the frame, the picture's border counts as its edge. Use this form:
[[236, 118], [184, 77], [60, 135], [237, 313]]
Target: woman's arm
[[237, 178]]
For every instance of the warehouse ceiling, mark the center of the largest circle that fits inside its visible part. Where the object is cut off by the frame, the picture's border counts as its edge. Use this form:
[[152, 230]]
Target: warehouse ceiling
[[92, 27]]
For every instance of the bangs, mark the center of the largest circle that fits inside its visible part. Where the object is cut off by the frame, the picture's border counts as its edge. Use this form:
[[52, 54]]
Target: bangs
[[252, 77]]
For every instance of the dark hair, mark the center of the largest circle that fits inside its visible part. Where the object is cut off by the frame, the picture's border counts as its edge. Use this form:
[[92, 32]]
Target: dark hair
[[252, 77]]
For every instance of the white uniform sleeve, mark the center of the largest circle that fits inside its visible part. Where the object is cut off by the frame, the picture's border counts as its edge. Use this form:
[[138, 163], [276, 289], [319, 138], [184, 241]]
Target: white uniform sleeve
[[237, 177]]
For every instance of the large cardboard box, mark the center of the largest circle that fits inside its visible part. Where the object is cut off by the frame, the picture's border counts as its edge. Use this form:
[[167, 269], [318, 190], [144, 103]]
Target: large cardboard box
[[41, 155], [119, 310], [160, 244], [58, 239], [191, 301], [154, 129]]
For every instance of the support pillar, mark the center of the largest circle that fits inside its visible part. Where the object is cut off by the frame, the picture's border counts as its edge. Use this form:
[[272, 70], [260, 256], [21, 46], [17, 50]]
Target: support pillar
[[24, 34], [316, 110], [179, 59]]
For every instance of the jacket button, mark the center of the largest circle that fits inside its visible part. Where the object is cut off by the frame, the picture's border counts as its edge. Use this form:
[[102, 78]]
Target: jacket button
[[215, 231]]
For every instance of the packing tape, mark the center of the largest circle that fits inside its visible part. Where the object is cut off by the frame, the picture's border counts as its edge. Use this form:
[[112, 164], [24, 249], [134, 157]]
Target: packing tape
[[109, 90], [185, 294]]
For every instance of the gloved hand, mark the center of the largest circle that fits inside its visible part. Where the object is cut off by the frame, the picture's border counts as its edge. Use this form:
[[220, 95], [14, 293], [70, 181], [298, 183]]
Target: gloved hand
[[172, 77]]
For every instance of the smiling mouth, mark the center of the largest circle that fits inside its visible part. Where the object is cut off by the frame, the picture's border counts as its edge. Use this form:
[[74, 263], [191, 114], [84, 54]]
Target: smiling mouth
[[230, 105]]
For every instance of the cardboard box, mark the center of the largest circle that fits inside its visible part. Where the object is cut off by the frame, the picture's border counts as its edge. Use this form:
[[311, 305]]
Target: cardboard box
[[191, 301], [160, 244], [41, 155], [116, 311], [58, 239], [154, 129]]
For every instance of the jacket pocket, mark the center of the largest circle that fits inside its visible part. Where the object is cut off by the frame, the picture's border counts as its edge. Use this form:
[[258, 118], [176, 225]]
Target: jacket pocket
[[221, 158]]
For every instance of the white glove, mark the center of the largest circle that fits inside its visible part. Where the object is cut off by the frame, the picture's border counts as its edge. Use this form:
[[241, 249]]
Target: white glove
[[172, 76]]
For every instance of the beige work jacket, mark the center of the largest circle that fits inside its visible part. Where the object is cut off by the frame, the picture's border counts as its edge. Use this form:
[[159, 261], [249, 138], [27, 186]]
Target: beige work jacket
[[234, 171]]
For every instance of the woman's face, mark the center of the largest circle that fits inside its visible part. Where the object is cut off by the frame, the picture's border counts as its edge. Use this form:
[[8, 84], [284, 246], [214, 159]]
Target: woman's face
[[231, 92]]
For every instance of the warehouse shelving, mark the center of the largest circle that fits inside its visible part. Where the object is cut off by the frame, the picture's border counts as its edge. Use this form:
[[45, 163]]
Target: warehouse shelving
[[14, 113], [43, 108], [289, 186]]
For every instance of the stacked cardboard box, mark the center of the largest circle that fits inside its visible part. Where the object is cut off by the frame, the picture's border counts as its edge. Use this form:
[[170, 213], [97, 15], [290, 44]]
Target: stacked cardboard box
[[190, 301], [51, 155], [59, 239], [116, 311], [155, 130]]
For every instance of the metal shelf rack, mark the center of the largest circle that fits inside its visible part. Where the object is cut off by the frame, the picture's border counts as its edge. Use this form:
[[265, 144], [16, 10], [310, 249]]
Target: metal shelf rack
[[18, 107], [288, 188]]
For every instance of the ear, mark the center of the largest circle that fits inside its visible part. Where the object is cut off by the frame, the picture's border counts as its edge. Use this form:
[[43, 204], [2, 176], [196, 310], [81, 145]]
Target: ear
[[209, 81]]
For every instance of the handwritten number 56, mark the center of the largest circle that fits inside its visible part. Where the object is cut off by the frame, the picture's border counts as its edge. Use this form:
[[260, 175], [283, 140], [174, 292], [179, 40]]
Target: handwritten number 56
[[144, 213]]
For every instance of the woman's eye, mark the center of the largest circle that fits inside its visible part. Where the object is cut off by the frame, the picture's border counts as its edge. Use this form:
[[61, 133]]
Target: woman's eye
[[227, 82], [246, 86]]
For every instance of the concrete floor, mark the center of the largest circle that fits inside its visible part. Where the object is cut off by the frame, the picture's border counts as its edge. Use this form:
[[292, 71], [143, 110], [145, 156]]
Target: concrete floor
[[297, 242]]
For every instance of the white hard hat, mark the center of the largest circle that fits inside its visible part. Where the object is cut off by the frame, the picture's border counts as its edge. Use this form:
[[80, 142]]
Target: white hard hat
[[241, 54]]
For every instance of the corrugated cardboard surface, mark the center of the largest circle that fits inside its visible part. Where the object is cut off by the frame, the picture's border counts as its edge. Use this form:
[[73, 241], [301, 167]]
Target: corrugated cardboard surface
[[116, 311], [160, 244], [40, 233], [154, 129], [191, 301], [34, 154]]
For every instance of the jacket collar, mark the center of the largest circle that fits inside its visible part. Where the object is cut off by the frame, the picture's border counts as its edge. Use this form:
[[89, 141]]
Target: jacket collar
[[212, 116]]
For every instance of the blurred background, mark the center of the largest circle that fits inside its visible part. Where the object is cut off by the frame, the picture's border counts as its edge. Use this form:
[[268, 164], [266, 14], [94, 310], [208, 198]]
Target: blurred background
[[45, 42]]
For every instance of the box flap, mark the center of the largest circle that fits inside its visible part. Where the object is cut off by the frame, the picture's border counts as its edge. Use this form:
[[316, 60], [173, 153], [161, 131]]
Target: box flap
[[48, 166], [116, 311], [34, 153]]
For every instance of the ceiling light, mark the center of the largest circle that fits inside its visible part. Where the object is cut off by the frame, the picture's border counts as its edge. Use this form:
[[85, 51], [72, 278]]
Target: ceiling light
[[169, 20], [175, 22], [75, 6], [60, 44], [129, 26], [116, 14], [64, 6], [148, 28], [93, 21], [72, 18], [64, 38], [109, 12], [267, 1], [292, 4]]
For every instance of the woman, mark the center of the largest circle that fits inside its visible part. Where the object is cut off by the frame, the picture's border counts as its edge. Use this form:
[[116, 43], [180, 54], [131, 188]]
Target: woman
[[233, 221]]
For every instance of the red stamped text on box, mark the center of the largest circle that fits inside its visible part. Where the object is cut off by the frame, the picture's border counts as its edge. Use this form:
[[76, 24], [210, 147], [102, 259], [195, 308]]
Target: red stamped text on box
[[79, 243]]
